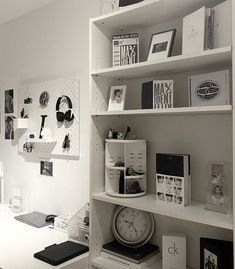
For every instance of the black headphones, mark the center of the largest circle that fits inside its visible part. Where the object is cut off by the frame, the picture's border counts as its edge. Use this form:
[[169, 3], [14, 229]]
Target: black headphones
[[67, 115]]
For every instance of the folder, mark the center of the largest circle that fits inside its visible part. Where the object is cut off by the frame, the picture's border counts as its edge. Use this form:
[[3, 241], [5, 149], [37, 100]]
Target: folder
[[59, 253]]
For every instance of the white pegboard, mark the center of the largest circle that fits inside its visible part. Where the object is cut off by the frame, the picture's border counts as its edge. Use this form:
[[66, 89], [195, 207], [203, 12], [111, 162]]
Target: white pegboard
[[55, 88]]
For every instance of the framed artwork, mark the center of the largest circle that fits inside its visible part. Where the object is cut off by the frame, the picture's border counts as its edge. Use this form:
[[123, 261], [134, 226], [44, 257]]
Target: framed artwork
[[161, 45], [9, 101], [9, 128], [46, 168], [217, 194], [117, 98], [215, 254]]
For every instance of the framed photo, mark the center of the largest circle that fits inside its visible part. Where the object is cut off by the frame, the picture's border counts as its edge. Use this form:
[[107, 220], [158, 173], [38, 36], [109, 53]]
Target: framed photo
[[9, 101], [46, 168], [161, 45], [217, 194], [215, 253], [117, 98], [9, 128]]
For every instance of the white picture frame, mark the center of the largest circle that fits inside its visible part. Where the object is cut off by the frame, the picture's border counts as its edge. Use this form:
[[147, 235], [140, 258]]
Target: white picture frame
[[117, 98], [161, 45]]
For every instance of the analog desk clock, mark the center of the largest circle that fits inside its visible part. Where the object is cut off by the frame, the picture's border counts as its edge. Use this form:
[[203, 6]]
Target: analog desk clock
[[44, 99], [132, 227]]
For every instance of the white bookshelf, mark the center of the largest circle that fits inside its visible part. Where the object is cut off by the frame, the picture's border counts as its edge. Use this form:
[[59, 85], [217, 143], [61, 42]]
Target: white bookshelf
[[206, 133]]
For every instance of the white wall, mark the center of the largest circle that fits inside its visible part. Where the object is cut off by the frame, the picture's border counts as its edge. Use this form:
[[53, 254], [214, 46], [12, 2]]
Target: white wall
[[49, 43]]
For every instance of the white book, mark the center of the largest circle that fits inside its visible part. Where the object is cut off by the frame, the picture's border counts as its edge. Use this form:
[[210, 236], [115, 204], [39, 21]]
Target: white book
[[173, 179], [209, 89], [128, 264], [223, 24], [174, 251], [194, 32]]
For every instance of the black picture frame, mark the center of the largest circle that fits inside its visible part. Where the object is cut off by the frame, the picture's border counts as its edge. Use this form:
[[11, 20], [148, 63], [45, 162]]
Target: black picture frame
[[171, 41], [218, 253]]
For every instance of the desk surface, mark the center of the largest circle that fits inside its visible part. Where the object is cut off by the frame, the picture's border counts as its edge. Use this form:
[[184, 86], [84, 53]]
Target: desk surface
[[19, 241]]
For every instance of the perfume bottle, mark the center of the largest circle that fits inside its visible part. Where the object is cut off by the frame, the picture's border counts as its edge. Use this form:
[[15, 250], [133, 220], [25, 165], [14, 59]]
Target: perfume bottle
[[16, 200]]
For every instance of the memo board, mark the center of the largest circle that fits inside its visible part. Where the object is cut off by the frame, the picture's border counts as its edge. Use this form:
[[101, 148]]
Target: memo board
[[55, 88]]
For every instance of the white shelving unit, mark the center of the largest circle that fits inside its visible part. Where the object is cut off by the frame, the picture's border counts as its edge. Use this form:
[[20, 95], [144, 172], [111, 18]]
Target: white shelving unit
[[206, 133], [132, 154]]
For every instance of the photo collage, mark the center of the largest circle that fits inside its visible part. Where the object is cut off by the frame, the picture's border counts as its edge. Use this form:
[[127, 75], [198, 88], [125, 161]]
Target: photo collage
[[170, 189]]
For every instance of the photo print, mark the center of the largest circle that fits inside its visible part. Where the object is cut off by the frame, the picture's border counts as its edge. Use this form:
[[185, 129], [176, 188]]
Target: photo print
[[9, 101], [170, 189], [210, 260], [117, 98], [9, 128], [46, 168]]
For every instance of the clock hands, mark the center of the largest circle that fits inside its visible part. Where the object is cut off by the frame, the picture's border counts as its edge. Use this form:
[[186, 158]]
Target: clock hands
[[131, 224]]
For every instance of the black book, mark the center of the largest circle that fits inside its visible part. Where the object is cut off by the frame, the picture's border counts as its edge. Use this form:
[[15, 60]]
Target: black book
[[173, 164], [57, 254], [136, 255], [147, 95]]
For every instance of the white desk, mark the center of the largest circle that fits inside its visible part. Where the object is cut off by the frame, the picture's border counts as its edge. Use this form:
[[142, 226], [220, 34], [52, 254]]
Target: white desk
[[19, 241]]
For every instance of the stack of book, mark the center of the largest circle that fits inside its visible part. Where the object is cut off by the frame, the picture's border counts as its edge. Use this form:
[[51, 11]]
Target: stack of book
[[207, 28], [173, 181]]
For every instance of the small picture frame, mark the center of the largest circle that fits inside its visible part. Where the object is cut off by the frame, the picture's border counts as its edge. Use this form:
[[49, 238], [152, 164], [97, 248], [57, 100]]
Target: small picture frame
[[117, 98], [161, 45], [216, 253], [217, 195], [9, 101], [46, 168]]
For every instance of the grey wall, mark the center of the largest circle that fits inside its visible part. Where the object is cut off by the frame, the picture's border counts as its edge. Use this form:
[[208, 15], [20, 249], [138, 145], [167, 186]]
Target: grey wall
[[49, 43]]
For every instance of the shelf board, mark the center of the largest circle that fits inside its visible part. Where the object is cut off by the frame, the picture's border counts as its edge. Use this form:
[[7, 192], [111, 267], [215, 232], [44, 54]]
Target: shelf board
[[41, 140], [111, 167], [135, 177], [103, 263], [149, 12], [114, 194], [168, 111], [210, 58], [124, 141], [194, 212]]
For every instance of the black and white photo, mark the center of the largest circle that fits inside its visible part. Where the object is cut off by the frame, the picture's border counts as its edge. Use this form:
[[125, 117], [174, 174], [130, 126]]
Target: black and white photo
[[161, 45], [46, 168], [9, 128], [117, 98], [210, 260], [9, 101]]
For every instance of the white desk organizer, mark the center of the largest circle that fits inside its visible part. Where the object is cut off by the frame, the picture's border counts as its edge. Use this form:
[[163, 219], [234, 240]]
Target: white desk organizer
[[55, 88], [132, 153]]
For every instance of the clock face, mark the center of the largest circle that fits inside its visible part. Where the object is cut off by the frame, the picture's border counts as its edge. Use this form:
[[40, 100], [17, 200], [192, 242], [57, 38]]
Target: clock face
[[44, 99], [132, 226]]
